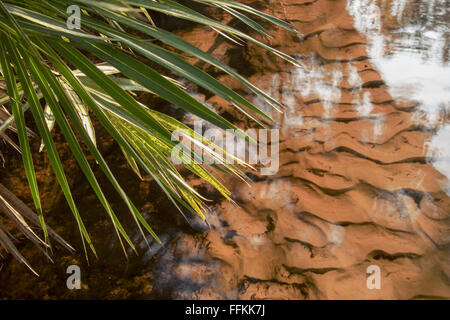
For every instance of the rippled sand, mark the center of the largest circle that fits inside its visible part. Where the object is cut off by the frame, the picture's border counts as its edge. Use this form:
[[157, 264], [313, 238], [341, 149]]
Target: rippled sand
[[363, 179], [355, 186]]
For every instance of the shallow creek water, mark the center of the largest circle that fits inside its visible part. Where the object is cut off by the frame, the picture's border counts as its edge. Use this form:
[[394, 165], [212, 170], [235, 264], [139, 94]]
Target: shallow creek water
[[363, 179]]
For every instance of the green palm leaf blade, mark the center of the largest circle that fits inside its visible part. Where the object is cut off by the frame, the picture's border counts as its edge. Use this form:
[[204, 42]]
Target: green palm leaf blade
[[22, 133], [86, 98], [38, 114]]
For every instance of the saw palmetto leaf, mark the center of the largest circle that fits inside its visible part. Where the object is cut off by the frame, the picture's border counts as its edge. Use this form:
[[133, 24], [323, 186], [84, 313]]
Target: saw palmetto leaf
[[50, 70]]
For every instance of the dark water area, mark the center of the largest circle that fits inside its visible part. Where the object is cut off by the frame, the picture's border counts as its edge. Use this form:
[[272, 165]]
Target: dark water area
[[364, 175]]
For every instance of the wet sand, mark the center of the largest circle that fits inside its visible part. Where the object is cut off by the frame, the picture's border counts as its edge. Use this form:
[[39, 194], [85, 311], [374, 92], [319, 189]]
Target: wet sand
[[363, 178]]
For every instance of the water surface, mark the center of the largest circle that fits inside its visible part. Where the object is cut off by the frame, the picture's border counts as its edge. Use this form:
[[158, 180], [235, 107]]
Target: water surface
[[363, 180]]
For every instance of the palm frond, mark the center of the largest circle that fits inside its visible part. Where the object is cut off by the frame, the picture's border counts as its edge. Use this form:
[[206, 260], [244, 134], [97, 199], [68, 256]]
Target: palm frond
[[43, 62]]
